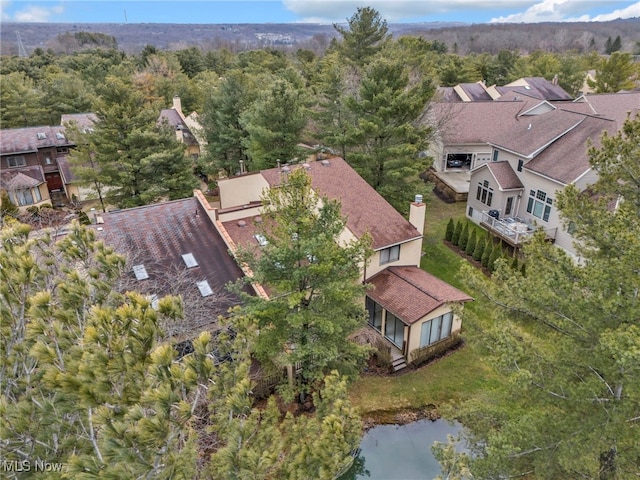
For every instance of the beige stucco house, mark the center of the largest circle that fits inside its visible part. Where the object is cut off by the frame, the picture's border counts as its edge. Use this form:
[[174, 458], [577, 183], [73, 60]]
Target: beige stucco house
[[514, 193], [414, 311]]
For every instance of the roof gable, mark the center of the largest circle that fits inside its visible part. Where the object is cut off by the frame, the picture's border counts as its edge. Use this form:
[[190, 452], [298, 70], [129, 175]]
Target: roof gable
[[504, 175], [410, 293], [364, 208]]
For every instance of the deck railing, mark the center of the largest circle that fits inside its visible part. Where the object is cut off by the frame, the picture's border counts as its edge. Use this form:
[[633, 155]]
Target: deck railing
[[514, 230]]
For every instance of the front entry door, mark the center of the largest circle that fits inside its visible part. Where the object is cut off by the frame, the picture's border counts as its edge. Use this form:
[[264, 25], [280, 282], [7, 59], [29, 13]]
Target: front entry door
[[54, 181]]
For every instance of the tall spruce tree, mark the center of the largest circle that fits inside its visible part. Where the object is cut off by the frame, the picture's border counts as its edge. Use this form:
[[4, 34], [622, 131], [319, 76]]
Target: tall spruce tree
[[316, 293], [274, 124], [139, 159], [387, 131], [365, 36]]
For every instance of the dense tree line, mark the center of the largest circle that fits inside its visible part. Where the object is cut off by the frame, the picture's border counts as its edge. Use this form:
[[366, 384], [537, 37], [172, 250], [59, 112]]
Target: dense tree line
[[257, 106]]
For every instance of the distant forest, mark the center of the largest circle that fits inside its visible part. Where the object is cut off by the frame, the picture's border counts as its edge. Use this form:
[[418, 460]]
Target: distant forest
[[580, 37]]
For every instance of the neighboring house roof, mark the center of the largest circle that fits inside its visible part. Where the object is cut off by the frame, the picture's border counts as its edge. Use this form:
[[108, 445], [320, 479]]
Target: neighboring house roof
[[23, 177], [529, 135], [65, 170], [503, 173], [474, 122], [83, 120], [364, 208], [567, 160], [410, 293], [15, 141], [474, 92], [159, 234], [615, 106], [538, 87], [175, 120]]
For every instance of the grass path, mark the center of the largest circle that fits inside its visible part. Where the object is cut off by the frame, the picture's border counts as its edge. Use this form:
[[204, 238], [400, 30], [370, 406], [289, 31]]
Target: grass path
[[457, 376]]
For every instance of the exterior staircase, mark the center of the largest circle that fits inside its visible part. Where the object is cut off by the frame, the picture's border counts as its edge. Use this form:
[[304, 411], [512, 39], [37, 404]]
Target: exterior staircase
[[398, 361]]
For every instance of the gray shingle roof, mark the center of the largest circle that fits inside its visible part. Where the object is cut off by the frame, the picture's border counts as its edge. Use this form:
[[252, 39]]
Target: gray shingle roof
[[28, 139]]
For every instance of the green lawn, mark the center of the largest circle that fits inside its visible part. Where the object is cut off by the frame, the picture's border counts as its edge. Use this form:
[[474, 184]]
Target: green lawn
[[458, 376]]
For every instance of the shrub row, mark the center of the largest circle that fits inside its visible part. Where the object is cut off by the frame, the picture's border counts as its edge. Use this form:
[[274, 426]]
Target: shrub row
[[479, 247]]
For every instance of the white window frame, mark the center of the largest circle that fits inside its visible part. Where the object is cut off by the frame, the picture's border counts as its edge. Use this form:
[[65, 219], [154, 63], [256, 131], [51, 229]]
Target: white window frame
[[539, 205]]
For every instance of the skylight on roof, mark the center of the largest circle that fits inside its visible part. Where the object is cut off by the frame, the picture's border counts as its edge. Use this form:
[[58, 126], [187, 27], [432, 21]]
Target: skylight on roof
[[140, 272], [60, 136], [205, 289], [262, 241], [189, 260], [41, 135]]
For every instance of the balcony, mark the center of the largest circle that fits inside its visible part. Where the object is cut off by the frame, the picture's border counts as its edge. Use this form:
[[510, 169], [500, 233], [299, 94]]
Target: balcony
[[512, 230]]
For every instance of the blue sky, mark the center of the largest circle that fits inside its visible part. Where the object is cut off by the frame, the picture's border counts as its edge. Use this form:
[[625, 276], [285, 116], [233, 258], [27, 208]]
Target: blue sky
[[315, 11]]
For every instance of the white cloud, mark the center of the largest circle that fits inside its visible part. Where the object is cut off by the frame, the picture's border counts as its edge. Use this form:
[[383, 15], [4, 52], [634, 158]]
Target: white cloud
[[323, 11], [567, 11], [629, 12], [529, 11], [30, 13]]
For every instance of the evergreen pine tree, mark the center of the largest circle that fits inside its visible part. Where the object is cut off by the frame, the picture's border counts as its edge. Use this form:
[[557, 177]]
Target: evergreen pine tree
[[495, 255], [471, 243], [486, 255], [450, 228], [479, 250], [464, 237], [457, 231]]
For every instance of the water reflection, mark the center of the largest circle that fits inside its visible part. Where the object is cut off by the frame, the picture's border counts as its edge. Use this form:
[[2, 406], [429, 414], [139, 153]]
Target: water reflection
[[400, 452]]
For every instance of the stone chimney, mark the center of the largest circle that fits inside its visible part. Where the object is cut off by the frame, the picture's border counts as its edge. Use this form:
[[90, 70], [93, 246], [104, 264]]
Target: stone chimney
[[417, 212]]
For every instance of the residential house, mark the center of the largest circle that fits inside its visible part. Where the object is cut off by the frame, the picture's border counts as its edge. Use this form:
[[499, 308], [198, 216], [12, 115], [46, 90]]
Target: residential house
[[33, 165], [183, 126], [411, 309], [536, 87], [541, 153]]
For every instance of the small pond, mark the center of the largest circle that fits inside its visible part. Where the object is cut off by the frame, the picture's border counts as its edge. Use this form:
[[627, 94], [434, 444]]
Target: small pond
[[401, 452]]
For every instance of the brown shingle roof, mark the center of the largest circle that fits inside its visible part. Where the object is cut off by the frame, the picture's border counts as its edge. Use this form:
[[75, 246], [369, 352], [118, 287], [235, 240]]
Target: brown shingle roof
[[23, 140], [530, 134], [475, 122], [364, 208], [410, 293], [566, 159], [614, 106], [158, 235], [504, 175]]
